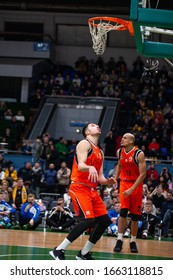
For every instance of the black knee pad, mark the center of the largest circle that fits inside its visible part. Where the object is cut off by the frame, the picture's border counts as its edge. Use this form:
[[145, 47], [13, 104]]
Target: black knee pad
[[123, 212], [104, 220], [135, 217]]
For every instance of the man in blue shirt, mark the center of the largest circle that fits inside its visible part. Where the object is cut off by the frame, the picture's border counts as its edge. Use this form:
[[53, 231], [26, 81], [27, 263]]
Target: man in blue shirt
[[114, 215], [5, 212], [50, 178], [30, 216]]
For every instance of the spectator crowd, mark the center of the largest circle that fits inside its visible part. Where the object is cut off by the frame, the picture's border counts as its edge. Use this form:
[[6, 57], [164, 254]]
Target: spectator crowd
[[21, 205], [146, 100], [147, 103]]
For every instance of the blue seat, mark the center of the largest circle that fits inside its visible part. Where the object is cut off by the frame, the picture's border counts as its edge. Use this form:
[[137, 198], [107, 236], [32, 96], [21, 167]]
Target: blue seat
[[163, 153]]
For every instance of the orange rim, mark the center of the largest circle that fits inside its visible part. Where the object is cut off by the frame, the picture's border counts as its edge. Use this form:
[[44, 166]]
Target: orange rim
[[127, 25]]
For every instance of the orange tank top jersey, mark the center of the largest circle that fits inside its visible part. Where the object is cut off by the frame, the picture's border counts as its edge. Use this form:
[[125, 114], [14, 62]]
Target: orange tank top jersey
[[95, 158], [128, 161], [129, 174]]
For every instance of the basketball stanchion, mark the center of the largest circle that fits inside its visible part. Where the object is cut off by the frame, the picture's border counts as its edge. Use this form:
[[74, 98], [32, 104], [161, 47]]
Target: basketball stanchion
[[147, 23]]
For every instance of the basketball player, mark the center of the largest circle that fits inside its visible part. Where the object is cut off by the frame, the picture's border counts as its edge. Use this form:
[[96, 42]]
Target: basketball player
[[132, 171], [87, 172]]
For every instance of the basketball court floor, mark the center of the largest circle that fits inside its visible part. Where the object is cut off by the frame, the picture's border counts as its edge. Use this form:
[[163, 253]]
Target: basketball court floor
[[35, 245]]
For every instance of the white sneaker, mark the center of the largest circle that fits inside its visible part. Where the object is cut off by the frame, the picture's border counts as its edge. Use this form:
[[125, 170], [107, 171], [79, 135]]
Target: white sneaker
[[57, 254], [127, 233], [144, 235]]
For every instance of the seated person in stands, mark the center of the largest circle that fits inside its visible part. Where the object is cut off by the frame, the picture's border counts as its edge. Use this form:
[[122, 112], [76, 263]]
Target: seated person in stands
[[2, 173], [153, 148], [8, 114], [6, 189], [167, 215], [5, 212], [60, 217], [167, 177], [3, 108], [30, 216], [20, 116], [147, 222], [112, 171], [113, 214], [18, 198], [158, 199], [4, 163], [26, 147], [152, 174], [67, 200], [10, 174]]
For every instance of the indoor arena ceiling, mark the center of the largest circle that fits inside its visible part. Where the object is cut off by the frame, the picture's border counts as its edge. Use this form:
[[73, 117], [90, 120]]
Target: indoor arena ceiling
[[80, 6]]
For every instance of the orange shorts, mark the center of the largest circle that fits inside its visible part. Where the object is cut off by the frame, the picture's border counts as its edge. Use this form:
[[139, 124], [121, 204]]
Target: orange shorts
[[134, 201], [86, 201]]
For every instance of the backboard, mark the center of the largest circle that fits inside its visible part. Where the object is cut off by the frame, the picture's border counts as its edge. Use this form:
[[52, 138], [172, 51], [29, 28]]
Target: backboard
[[147, 22]]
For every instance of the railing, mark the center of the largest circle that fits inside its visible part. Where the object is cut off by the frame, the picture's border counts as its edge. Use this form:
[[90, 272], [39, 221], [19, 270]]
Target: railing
[[49, 196], [9, 153]]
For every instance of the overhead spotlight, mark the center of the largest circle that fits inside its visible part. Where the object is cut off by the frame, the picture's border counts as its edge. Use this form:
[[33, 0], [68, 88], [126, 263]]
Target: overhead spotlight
[[78, 130]]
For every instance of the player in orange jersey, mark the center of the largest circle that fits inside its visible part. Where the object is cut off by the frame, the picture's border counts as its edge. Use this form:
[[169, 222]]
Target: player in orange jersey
[[131, 170], [87, 172]]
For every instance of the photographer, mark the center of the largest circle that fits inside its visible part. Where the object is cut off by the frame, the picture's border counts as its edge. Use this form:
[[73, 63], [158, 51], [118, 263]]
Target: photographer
[[30, 216], [60, 217], [166, 176], [63, 177]]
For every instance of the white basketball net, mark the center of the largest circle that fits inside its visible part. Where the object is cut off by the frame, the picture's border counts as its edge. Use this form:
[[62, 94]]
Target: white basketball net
[[99, 35]]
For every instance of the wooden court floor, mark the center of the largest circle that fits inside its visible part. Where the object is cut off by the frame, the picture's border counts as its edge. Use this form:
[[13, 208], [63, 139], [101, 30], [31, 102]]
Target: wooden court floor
[[35, 245]]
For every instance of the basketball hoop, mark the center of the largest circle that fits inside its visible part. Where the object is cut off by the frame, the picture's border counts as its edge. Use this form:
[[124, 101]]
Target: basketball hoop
[[100, 26]]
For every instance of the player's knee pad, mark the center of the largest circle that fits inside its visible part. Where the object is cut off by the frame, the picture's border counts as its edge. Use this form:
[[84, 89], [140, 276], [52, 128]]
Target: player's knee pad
[[104, 220], [123, 212], [135, 217]]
